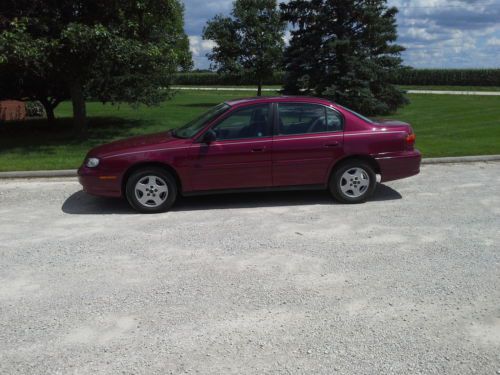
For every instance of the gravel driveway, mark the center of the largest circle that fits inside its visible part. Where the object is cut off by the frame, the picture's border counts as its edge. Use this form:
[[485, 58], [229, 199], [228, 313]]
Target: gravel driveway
[[265, 283]]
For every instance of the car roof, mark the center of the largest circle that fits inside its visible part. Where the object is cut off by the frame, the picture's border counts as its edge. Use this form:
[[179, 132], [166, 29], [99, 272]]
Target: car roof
[[273, 99]]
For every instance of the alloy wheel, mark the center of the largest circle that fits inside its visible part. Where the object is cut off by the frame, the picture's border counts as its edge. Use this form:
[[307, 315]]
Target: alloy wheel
[[354, 182], [151, 191]]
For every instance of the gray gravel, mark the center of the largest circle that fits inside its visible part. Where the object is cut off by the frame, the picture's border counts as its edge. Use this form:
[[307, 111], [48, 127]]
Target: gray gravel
[[265, 283]]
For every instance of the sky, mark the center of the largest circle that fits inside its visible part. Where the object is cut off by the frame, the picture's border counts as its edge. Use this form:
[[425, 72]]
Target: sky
[[436, 33]]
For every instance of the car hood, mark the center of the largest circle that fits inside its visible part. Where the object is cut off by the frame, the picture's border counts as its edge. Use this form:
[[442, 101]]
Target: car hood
[[133, 144]]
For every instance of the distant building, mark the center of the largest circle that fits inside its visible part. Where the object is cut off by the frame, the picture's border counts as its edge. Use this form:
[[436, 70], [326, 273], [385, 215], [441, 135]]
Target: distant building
[[12, 110]]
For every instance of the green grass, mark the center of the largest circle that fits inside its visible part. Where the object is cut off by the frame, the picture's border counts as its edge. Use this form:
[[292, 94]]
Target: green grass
[[454, 125], [445, 125]]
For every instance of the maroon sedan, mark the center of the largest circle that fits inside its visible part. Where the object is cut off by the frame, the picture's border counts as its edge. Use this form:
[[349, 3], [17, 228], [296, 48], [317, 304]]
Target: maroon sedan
[[268, 143]]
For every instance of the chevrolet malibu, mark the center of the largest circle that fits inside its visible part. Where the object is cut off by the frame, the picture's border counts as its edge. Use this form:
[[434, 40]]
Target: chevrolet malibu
[[255, 144]]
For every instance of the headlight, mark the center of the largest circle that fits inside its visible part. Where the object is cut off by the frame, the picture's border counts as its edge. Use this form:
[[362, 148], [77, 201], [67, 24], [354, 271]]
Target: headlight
[[91, 162]]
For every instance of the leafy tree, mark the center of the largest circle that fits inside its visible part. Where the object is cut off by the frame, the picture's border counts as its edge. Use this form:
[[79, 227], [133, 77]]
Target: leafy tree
[[113, 51], [344, 50], [250, 41]]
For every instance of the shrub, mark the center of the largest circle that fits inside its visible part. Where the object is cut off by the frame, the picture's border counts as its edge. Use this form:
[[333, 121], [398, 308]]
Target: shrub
[[34, 109]]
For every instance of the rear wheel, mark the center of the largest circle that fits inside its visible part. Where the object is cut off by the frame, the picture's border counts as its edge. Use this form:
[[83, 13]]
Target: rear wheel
[[151, 190], [353, 182]]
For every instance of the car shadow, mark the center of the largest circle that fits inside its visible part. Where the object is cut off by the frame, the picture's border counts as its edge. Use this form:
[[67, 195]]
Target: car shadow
[[80, 203]]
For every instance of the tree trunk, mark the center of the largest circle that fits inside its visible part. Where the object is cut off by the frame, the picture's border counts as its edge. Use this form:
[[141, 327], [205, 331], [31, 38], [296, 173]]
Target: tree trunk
[[49, 111], [79, 110], [259, 88]]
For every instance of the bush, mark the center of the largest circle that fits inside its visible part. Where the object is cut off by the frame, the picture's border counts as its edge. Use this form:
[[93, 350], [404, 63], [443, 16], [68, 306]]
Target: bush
[[34, 109]]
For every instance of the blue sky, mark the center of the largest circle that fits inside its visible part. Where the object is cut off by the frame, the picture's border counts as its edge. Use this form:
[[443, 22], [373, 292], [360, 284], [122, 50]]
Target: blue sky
[[436, 33]]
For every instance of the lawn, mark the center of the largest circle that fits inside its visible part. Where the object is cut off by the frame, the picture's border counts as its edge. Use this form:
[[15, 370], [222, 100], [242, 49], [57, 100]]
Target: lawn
[[454, 125], [445, 126]]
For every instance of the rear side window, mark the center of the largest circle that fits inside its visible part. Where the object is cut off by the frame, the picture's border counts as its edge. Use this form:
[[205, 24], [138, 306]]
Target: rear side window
[[333, 120], [303, 118]]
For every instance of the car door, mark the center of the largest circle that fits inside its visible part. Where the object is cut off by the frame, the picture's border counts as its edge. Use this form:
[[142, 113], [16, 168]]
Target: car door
[[308, 139], [240, 155]]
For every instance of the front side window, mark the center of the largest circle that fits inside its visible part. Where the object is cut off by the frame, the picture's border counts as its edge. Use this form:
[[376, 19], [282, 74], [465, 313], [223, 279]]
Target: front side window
[[194, 126], [303, 118], [248, 122]]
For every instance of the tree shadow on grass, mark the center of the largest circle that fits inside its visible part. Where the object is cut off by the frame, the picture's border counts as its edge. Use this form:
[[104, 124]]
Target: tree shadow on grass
[[81, 203], [33, 135]]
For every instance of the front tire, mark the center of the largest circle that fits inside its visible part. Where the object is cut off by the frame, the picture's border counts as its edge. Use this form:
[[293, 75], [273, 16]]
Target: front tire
[[353, 182], [151, 190]]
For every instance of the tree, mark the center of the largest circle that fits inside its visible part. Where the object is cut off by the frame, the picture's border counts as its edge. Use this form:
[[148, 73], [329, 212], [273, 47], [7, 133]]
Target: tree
[[250, 41], [344, 50], [113, 51]]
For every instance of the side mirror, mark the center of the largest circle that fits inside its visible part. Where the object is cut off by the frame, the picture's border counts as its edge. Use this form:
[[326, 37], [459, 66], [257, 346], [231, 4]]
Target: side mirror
[[209, 137]]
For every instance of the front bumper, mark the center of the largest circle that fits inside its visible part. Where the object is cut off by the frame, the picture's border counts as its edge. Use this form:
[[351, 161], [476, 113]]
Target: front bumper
[[98, 182], [399, 165]]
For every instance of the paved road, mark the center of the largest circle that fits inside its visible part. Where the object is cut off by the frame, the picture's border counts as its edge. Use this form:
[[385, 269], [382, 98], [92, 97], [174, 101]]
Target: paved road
[[454, 92], [268, 283], [435, 92]]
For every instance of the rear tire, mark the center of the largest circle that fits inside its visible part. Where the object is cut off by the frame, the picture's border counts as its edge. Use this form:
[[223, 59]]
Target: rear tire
[[353, 182], [151, 190]]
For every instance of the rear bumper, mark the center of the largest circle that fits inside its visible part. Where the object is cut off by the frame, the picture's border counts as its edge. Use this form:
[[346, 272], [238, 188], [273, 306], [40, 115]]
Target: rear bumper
[[399, 165], [99, 183]]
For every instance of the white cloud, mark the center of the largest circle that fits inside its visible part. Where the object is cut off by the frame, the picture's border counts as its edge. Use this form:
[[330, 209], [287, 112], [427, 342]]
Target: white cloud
[[199, 48], [419, 33], [449, 33], [493, 42], [436, 33], [287, 37]]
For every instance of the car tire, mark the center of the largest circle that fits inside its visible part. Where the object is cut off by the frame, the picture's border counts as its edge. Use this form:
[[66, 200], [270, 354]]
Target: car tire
[[151, 190], [353, 182]]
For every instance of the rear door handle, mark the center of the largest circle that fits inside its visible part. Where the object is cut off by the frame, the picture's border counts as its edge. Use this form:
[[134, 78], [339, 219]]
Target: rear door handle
[[262, 149], [332, 144]]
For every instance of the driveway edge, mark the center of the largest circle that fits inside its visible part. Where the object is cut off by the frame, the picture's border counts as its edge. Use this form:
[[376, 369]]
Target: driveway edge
[[72, 172], [461, 159], [39, 174]]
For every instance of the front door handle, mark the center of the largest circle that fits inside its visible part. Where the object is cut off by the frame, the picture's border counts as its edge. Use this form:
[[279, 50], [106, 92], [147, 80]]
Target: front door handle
[[332, 144]]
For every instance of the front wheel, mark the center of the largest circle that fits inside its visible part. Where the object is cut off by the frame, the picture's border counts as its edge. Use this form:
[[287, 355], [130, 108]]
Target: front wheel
[[353, 182], [151, 190]]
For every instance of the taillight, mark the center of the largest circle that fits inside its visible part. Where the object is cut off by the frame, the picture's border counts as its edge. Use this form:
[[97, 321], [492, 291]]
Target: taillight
[[410, 139]]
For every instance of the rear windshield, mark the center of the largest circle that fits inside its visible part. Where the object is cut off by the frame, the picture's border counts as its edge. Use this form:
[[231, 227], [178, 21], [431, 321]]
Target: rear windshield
[[357, 114]]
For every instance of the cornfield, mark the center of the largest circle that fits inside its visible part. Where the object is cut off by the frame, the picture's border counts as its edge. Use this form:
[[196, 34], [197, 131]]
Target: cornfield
[[448, 77], [422, 77], [211, 79]]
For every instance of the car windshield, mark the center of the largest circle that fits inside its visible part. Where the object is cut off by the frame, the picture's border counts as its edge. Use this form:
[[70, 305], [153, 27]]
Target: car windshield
[[194, 126], [357, 114]]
